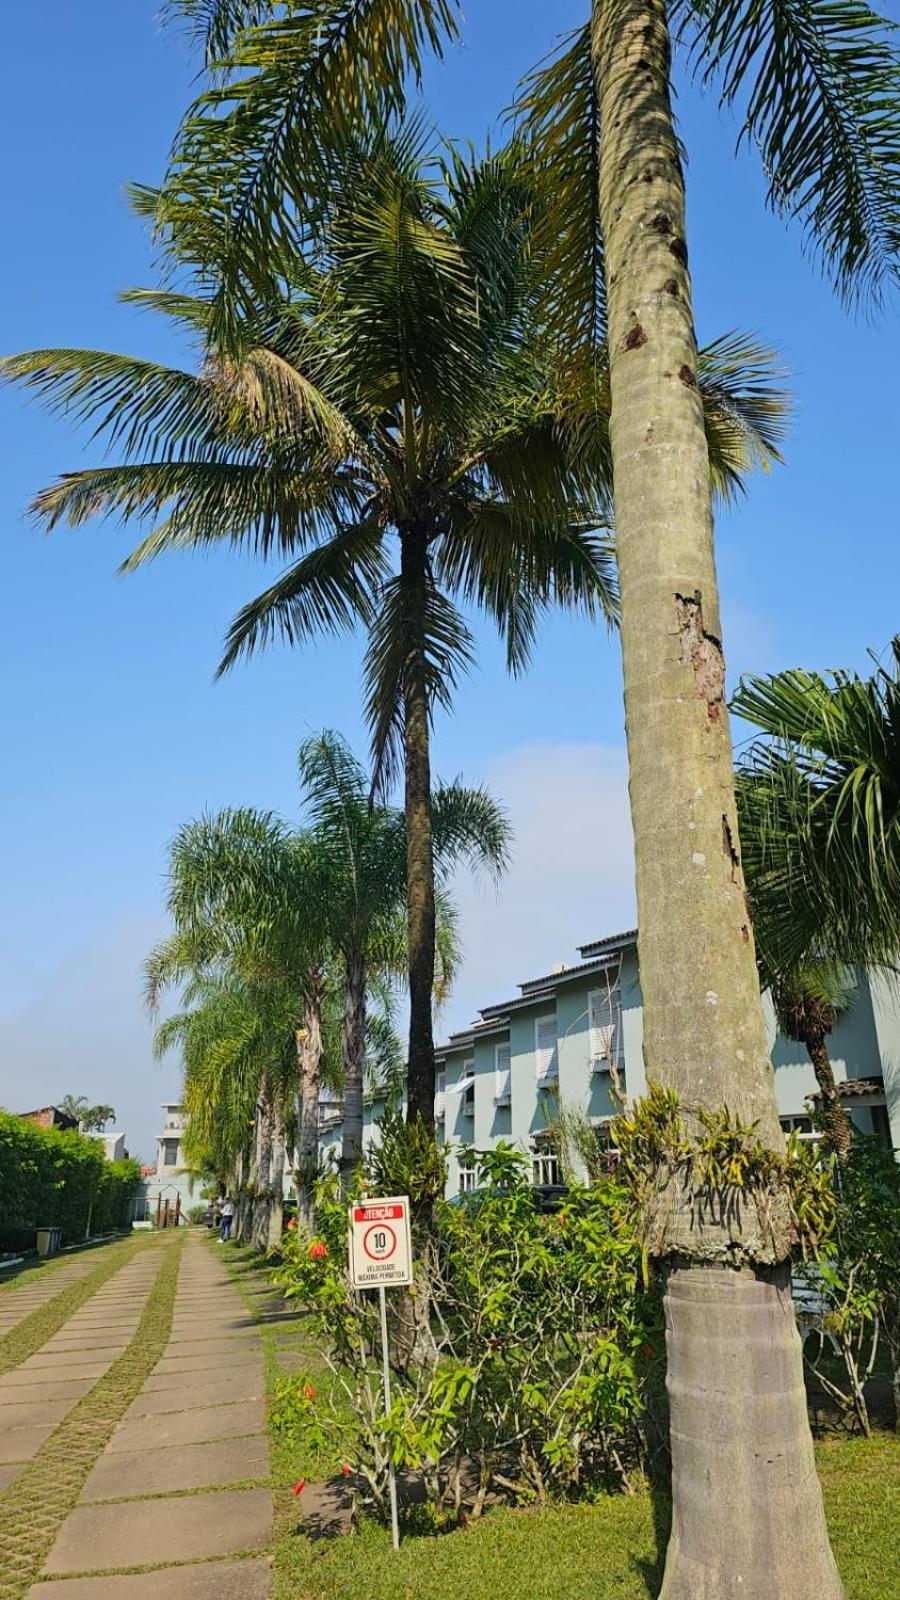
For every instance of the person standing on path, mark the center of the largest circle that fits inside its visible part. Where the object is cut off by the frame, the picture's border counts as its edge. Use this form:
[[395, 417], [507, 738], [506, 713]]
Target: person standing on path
[[227, 1218]]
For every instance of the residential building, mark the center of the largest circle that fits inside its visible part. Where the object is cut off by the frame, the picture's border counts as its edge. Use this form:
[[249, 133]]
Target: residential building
[[49, 1117], [169, 1179], [571, 1036], [168, 1142], [113, 1144]]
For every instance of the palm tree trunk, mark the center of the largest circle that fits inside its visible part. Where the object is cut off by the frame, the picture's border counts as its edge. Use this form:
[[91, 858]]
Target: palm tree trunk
[[276, 1209], [309, 1061], [419, 842], [835, 1119], [262, 1172], [354, 1042], [747, 1509]]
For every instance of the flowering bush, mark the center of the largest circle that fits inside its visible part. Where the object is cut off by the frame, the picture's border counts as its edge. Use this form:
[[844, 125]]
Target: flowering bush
[[540, 1338]]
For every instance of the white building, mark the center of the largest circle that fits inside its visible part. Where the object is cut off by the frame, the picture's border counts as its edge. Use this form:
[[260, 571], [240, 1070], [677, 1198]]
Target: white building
[[113, 1145], [566, 1036]]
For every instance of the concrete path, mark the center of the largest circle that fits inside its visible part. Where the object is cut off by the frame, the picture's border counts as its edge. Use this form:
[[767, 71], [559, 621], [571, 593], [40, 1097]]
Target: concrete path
[[20, 1296], [36, 1395], [182, 1484]]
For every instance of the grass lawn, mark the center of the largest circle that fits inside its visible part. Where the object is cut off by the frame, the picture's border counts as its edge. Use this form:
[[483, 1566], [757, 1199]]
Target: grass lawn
[[571, 1552]]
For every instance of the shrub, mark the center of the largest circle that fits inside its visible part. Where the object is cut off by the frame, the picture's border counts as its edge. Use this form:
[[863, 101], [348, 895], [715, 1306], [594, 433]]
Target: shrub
[[59, 1179], [858, 1278], [531, 1380]]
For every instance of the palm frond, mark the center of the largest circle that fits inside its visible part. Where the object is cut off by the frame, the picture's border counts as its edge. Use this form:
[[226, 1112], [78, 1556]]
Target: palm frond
[[449, 652], [260, 146], [745, 409], [142, 408], [818, 84], [332, 589], [557, 118], [470, 828]]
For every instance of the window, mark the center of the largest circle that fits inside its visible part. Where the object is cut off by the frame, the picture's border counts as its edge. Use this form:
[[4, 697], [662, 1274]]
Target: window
[[440, 1090], [605, 1026], [502, 1075], [466, 1176], [170, 1152], [546, 1052], [799, 1125]]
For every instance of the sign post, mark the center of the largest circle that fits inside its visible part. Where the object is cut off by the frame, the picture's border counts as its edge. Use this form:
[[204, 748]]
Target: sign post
[[381, 1258]]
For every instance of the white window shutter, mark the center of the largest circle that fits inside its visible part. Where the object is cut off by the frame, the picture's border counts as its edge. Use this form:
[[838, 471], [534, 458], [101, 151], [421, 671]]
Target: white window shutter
[[546, 1058], [605, 1024], [503, 1064]]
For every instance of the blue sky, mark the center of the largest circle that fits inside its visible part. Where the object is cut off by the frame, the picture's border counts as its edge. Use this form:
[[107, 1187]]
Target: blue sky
[[113, 731]]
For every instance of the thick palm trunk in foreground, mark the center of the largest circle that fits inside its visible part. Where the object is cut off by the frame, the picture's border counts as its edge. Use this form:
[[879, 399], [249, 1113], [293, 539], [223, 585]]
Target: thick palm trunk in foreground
[[747, 1509], [309, 1058], [354, 1049], [419, 841]]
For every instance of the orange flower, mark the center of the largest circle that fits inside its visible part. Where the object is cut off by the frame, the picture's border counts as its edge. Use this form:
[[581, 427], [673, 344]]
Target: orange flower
[[292, 1223], [299, 1487], [345, 1469], [309, 1391], [318, 1250]]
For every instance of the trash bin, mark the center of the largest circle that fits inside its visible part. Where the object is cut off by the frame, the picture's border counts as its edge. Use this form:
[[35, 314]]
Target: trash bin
[[47, 1241]]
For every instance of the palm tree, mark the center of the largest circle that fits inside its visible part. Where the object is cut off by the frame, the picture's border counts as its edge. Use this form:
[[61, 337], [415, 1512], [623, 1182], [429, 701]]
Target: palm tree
[[246, 894], [236, 1043], [819, 803], [89, 1117], [818, 87], [366, 849], [393, 417], [95, 1118]]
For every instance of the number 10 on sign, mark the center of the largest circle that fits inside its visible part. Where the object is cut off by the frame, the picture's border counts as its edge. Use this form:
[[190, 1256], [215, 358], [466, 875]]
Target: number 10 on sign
[[381, 1258]]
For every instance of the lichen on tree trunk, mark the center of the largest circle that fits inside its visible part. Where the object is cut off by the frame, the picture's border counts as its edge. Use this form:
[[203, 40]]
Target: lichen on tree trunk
[[735, 1417]]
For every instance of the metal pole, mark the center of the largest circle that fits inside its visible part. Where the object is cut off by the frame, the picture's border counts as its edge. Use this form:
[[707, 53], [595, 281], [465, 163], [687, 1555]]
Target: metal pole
[[392, 1477]]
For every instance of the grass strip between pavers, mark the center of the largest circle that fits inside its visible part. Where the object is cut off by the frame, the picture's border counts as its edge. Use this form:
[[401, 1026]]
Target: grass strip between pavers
[[41, 1324], [37, 1502]]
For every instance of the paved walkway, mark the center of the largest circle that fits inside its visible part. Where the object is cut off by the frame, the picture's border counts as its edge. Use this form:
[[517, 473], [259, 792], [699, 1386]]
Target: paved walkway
[[19, 1297], [36, 1395], [182, 1483]]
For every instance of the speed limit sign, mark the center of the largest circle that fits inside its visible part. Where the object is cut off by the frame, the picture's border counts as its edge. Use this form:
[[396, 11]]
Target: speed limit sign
[[380, 1255]]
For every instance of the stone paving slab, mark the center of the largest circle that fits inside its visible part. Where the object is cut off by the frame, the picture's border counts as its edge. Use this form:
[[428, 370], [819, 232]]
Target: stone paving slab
[[20, 1393], [213, 1580], [248, 1369], [227, 1390], [18, 1415], [21, 1444], [188, 1427], [62, 1368], [222, 1343], [243, 1355], [189, 1529], [191, 1466], [74, 1346]]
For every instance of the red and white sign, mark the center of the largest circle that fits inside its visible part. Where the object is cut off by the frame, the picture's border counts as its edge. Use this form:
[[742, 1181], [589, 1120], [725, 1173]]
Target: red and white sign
[[380, 1254]]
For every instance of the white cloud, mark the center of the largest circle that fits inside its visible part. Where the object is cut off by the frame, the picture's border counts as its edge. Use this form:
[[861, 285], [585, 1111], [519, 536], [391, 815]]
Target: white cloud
[[572, 877]]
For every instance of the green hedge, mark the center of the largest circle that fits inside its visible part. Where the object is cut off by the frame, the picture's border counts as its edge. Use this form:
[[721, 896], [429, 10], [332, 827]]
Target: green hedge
[[55, 1179]]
